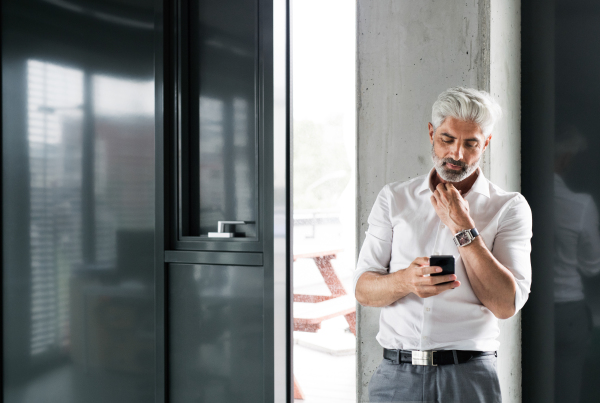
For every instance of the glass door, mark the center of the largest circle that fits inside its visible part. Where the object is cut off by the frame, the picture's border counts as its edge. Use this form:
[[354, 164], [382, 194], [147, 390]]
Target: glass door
[[221, 254]]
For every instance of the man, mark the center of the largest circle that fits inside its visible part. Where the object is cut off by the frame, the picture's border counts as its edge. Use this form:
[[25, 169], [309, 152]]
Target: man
[[453, 210]]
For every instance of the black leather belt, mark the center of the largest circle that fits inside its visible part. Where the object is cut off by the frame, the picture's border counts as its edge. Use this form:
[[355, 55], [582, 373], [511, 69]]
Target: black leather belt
[[433, 357]]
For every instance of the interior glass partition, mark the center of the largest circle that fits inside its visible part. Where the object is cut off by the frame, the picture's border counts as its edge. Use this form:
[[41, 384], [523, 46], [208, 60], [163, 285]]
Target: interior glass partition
[[218, 56], [561, 322], [145, 211], [576, 200], [219, 245], [78, 202]]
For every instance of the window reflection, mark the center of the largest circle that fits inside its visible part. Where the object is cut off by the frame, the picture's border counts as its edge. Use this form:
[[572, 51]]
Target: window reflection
[[54, 120], [123, 161], [212, 197], [90, 162], [216, 328], [226, 182], [577, 197], [243, 161], [576, 256]]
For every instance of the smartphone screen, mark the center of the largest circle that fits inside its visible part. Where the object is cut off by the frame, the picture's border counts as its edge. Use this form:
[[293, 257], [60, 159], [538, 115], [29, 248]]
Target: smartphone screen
[[446, 262]]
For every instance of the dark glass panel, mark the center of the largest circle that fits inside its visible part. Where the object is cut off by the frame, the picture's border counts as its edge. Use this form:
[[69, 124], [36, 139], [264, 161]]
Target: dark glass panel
[[78, 205], [215, 334], [576, 200], [219, 142], [560, 103]]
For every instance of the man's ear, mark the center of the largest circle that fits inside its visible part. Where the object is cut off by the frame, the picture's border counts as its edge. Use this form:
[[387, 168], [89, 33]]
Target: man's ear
[[487, 142], [431, 132]]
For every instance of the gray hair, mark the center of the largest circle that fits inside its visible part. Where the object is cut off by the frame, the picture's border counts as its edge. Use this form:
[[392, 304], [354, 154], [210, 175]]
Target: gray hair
[[467, 104]]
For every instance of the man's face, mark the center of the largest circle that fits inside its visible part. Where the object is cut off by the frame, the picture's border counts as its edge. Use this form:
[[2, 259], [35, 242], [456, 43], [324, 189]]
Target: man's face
[[456, 148]]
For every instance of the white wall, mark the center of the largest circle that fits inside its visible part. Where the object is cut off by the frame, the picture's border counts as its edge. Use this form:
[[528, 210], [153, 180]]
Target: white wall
[[407, 53], [504, 159]]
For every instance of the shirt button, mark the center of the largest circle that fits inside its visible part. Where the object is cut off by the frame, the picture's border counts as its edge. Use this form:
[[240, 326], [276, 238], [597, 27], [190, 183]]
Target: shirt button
[[436, 252], [427, 309], [442, 226], [424, 337]]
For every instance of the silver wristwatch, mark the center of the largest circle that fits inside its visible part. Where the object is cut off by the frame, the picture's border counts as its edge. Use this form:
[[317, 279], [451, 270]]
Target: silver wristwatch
[[465, 237]]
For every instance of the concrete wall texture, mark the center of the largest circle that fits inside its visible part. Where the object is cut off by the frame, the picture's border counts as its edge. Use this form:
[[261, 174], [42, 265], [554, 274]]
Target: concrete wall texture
[[407, 53], [504, 160]]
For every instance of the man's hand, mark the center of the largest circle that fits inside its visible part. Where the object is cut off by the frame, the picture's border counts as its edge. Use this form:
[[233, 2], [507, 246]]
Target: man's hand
[[491, 282], [424, 286], [452, 208], [377, 289]]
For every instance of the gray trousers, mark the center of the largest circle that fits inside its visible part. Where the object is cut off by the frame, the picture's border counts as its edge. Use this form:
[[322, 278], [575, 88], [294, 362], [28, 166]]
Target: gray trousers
[[473, 381]]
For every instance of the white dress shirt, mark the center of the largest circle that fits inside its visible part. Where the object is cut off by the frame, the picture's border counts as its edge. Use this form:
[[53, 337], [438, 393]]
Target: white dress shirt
[[576, 241], [403, 225]]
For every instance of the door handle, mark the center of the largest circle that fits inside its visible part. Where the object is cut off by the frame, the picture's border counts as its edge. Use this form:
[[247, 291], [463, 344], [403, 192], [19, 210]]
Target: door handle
[[221, 228]]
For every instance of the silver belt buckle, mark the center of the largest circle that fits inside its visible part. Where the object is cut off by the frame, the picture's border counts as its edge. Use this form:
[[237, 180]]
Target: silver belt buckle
[[424, 357]]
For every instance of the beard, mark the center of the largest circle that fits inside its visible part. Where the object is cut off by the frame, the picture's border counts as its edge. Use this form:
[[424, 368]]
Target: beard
[[451, 175]]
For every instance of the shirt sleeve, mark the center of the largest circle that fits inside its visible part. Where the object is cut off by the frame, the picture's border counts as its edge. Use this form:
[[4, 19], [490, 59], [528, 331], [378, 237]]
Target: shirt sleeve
[[588, 245], [512, 247], [376, 250]]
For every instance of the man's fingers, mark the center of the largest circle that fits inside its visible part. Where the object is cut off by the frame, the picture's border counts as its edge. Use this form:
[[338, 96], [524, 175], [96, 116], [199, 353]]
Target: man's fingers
[[430, 290], [449, 188], [422, 260], [430, 269], [442, 279], [449, 286], [441, 196]]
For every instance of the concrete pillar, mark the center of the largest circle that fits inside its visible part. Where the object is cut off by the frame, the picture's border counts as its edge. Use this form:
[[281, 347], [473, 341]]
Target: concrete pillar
[[407, 53]]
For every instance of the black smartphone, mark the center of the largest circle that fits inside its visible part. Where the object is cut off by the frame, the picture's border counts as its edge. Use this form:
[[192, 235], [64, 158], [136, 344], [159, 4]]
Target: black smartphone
[[446, 262]]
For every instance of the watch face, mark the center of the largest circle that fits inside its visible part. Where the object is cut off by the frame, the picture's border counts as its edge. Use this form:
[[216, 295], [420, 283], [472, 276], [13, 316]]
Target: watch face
[[463, 237]]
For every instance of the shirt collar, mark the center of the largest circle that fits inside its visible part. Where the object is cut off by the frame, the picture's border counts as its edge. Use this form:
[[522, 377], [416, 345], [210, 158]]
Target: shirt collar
[[480, 186]]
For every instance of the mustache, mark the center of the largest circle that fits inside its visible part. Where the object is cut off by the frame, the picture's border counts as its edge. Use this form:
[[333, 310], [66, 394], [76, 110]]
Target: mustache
[[454, 162]]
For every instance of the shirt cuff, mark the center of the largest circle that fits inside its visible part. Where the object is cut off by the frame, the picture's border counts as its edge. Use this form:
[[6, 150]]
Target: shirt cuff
[[521, 295], [360, 272]]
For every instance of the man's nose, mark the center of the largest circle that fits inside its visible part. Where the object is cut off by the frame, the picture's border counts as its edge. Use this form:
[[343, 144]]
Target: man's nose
[[456, 153]]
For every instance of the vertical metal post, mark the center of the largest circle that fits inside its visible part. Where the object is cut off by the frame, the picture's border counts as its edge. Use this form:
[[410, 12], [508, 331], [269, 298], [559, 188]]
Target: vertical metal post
[[282, 204]]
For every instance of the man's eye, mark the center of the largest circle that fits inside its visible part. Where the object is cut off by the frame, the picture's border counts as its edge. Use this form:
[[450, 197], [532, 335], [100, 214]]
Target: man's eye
[[471, 145], [449, 141]]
